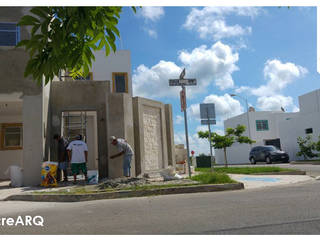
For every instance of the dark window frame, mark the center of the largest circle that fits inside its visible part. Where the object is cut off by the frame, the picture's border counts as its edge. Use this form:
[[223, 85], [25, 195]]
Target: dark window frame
[[262, 125], [16, 30]]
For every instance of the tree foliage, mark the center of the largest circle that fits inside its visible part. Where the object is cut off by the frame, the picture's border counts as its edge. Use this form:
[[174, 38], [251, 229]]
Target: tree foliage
[[307, 146], [223, 142], [64, 38]]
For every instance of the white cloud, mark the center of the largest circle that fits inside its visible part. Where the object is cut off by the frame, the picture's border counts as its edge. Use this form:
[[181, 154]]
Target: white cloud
[[278, 76], [193, 111], [153, 82], [179, 119], [211, 21], [202, 128], [152, 33], [208, 65], [225, 106], [274, 103], [152, 13], [295, 109], [211, 64]]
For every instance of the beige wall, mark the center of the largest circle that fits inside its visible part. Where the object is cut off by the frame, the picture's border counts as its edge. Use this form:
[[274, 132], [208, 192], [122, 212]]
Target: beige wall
[[180, 153], [120, 124], [151, 149]]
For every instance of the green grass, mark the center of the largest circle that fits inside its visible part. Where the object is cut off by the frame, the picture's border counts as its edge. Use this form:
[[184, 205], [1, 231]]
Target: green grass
[[213, 178], [245, 170]]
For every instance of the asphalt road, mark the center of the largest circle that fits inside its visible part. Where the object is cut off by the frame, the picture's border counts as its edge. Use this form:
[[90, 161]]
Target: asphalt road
[[277, 210]]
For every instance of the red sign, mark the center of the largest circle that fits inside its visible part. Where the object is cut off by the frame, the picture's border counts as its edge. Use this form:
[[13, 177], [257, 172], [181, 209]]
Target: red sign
[[183, 100], [192, 152]]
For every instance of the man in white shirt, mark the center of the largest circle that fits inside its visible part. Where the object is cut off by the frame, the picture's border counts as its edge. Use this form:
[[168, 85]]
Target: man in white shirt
[[78, 156], [124, 149]]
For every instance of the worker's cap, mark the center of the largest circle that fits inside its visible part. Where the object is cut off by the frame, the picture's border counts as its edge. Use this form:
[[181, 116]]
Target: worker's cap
[[79, 137], [112, 138]]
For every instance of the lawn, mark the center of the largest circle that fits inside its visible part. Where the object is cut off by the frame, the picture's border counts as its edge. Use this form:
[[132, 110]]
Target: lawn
[[245, 170], [213, 178]]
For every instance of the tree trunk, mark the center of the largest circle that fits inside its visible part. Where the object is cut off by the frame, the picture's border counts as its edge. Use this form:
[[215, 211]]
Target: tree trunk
[[225, 157]]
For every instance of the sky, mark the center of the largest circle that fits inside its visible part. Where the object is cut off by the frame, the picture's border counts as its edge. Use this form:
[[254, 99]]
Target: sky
[[266, 55]]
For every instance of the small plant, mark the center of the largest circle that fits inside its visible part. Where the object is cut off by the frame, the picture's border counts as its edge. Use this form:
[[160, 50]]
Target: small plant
[[307, 146]]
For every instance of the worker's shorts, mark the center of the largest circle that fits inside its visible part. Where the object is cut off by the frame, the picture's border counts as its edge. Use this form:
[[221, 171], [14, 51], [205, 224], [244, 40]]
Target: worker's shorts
[[63, 165], [127, 165], [76, 167]]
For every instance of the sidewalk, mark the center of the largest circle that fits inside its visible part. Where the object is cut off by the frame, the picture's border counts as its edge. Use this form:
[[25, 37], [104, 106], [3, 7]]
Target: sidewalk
[[249, 181], [258, 181]]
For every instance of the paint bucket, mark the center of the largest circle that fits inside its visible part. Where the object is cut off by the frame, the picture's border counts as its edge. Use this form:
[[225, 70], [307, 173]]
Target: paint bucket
[[93, 176], [49, 174], [15, 176]]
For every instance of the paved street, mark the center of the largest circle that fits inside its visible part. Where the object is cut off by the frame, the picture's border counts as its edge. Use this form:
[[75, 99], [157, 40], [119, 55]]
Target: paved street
[[290, 209]]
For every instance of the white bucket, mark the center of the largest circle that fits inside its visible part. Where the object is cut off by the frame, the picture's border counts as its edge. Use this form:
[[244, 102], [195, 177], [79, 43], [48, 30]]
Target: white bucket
[[93, 176], [15, 176]]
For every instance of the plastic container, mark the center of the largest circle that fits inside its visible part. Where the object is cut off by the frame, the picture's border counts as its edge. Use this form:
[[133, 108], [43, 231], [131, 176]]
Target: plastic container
[[15, 176], [93, 176], [49, 174]]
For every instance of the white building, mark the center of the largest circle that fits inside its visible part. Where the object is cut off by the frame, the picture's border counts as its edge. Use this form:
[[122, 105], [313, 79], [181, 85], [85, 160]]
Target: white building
[[276, 128]]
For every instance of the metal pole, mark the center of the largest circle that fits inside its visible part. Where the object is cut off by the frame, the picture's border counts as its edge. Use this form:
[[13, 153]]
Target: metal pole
[[186, 130], [211, 158], [248, 120], [212, 163]]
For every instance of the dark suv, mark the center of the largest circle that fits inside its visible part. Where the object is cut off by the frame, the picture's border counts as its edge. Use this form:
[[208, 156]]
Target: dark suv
[[267, 154]]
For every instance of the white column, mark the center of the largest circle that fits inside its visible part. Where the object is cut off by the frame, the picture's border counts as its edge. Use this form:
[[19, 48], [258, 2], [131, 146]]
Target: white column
[[32, 139]]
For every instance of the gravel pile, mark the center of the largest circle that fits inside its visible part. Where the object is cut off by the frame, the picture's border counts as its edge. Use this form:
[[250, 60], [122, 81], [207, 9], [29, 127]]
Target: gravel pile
[[120, 183]]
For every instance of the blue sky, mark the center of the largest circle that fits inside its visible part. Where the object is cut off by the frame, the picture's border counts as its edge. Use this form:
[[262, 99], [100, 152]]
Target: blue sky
[[267, 55]]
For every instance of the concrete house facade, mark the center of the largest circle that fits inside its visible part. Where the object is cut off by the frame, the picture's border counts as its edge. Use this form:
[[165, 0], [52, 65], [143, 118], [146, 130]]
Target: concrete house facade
[[277, 128], [97, 106]]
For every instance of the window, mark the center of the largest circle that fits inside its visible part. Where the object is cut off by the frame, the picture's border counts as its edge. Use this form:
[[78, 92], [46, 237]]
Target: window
[[262, 125], [11, 136], [120, 82], [309, 130], [88, 77], [9, 34]]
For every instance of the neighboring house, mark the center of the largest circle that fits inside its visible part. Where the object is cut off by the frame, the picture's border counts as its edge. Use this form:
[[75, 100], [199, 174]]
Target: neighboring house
[[277, 128], [98, 106]]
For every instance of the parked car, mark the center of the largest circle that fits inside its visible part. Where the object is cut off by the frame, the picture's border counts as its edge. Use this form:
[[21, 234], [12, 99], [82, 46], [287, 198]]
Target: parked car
[[267, 154]]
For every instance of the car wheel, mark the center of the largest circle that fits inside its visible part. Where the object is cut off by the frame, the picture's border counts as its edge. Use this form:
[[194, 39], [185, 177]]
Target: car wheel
[[268, 160], [252, 160]]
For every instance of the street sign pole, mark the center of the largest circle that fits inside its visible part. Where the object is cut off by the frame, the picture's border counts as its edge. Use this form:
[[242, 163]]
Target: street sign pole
[[183, 82], [211, 157], [186, 131]]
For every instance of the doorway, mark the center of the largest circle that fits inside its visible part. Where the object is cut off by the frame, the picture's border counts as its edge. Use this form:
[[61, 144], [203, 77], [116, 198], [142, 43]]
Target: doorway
[[84, 123], [273, 142]]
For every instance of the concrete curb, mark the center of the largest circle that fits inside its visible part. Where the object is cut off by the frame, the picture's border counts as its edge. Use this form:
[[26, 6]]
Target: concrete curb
[[123, 194], [303, 162], [282, 173]]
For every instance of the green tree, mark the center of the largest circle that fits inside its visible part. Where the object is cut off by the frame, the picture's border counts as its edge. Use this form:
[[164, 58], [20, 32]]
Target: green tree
[[307, 146], [223, 142], [64, 37]]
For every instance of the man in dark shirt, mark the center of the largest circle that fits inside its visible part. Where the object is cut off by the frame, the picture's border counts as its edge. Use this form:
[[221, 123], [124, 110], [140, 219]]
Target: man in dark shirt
[[62, 157]]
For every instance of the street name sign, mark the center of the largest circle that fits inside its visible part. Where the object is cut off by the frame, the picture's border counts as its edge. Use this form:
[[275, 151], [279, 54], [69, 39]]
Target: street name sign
[[206, 122], [181, 82]]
